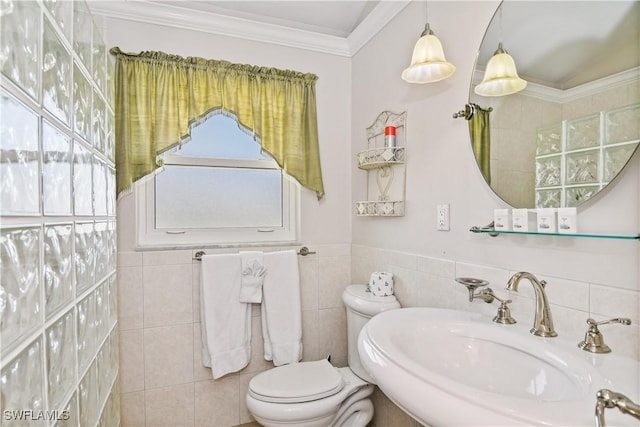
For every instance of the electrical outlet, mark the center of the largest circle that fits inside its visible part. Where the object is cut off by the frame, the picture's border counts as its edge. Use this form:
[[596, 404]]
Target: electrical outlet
[[443, 217]]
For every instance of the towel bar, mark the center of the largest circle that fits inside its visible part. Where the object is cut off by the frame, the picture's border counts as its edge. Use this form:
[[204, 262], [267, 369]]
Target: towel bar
[[304, 251]]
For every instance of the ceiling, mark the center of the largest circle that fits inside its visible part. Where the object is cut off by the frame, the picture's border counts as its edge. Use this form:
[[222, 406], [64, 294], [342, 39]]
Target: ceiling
[[558, 44], [333, 18], [563, 44], [339, 27]]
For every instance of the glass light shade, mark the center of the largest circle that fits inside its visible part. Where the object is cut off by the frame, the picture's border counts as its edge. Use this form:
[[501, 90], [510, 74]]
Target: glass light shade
[[428, 63], [500, 77]]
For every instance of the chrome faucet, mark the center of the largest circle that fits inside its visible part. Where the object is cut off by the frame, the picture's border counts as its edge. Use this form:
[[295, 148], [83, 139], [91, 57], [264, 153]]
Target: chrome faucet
[[542, 323], [611, 399]]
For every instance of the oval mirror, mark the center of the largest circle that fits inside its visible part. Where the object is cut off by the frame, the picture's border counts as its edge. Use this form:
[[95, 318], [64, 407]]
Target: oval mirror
[[576, 124]]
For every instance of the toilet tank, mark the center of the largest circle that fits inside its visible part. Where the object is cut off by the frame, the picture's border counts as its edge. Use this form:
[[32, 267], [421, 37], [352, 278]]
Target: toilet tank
[[362, 306]]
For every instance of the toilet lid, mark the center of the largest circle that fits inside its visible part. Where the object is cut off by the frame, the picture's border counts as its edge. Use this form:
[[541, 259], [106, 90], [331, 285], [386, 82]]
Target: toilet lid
[[297, 382]]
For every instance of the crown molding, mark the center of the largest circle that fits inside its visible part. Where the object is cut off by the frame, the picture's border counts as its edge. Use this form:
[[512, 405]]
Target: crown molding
[[587, 89], [384, 12], [213, 23], [547, 93]]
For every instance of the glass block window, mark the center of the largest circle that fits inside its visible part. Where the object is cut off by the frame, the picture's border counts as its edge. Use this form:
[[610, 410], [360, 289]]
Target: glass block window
[[56, 79], [56, 171], [58, 287], [19, 157], [577, 158], [20, 40]]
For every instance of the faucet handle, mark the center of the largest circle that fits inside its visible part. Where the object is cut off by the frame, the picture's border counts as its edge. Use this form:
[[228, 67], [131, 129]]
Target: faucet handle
[[504, 313], [622, 320], [593, 340]]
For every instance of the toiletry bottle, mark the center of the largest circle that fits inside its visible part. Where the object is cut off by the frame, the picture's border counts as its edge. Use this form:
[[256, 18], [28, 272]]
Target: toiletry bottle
[[390, 136]]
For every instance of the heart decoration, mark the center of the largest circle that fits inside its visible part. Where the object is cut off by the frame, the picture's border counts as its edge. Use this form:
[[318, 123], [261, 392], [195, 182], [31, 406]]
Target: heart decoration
[[384, 177]]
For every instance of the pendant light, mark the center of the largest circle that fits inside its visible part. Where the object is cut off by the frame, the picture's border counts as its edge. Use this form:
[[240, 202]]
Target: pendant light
[[501, 77], [428, 63]]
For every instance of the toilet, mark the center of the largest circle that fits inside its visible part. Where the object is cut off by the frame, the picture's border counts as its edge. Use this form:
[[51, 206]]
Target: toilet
[[317, 394]]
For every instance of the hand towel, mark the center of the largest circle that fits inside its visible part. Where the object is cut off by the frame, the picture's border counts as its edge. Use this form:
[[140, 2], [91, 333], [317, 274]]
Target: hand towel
[[281, 312], [253, 271], [225, 321]]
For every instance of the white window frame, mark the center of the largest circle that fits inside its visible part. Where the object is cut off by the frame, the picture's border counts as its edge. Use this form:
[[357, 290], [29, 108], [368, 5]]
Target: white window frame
[[148, 237]]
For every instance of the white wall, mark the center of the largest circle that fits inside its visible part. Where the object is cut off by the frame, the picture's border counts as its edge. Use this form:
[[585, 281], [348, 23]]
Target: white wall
[[159, 290], [327, 221], [441, 167], [596, 278]]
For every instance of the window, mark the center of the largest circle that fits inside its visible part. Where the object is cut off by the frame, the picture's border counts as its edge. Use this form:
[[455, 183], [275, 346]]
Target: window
[[217, 189]]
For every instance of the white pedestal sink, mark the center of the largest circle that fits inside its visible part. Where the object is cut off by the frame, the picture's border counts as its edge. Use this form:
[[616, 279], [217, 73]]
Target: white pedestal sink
[[448, 367]]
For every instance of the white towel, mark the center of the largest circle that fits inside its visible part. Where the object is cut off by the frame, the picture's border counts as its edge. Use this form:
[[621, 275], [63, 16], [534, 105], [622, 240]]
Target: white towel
[[253, 271], [281, 312], [225, 321]]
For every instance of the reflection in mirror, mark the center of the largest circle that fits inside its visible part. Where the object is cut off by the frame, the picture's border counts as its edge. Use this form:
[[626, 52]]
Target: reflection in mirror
[[576, 125]]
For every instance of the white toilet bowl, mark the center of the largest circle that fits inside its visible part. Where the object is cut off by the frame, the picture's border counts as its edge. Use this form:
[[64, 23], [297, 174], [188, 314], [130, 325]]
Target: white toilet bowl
[[310, 394], [317, 394]]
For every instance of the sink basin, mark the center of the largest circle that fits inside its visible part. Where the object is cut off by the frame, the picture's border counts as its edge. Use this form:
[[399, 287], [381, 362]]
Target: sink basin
[[449, 367], [474, 355]]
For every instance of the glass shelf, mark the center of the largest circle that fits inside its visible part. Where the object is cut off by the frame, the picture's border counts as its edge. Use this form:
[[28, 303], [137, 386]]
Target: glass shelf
[[494, 233]]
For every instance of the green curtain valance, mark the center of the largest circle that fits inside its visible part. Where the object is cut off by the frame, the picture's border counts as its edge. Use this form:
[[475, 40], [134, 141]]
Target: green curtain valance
[[158, 97]]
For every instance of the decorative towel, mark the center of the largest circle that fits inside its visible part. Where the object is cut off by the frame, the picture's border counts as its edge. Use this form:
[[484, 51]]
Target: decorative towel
[[252, 277], [281, 312], [225, 321], [381, 284]]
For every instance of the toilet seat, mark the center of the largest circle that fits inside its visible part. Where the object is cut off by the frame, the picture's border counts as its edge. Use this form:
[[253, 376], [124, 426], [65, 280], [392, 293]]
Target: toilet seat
[[297, 383]]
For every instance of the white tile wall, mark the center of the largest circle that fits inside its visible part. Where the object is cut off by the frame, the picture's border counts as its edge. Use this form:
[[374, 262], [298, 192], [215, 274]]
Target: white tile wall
[[175, 389], [159, 317], [432, 284]]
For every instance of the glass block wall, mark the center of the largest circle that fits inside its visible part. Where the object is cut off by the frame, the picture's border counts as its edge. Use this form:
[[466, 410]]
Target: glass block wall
[[577, 158], [58, 314]]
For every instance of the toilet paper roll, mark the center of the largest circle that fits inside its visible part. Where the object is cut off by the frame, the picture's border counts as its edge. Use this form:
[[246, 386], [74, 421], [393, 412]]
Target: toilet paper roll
[[381, 284]]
